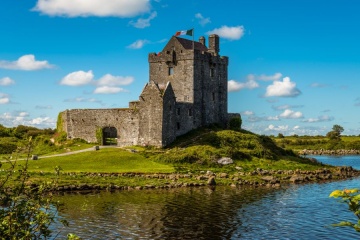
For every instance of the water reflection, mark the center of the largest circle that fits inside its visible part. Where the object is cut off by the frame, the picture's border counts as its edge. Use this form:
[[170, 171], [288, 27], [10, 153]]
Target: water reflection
[[184, 213]]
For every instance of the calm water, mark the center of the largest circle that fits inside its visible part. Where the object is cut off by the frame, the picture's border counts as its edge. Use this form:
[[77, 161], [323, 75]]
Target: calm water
[[293, 212]]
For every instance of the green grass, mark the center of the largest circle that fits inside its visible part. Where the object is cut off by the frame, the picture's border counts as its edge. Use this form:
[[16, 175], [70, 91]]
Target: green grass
[[105, 160]]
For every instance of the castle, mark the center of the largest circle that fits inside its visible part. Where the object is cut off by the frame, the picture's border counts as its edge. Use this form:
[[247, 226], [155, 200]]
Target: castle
[[187, 89]]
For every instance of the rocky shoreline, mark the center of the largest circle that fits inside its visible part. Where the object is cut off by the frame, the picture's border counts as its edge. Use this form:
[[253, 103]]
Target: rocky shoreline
[[329, 152], [257, 178]]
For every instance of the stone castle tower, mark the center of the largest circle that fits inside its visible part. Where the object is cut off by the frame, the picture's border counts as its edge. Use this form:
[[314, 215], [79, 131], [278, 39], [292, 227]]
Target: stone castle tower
[[187, 89]]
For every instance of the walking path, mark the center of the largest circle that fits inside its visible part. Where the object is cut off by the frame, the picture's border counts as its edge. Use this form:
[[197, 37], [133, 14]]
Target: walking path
[[65, 154]]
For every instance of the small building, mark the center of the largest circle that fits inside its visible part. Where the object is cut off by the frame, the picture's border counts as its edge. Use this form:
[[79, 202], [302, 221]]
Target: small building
[[187, 89]]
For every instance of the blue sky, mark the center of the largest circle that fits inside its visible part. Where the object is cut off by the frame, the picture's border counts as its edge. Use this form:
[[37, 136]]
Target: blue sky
[[294, 65]]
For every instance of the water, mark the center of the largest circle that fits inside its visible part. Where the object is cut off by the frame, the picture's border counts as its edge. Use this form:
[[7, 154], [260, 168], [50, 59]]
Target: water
[[292, 212]]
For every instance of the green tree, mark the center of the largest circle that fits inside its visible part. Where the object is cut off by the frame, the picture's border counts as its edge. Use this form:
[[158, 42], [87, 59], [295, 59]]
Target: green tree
[[352, 199], [335, 134], [27, 210]]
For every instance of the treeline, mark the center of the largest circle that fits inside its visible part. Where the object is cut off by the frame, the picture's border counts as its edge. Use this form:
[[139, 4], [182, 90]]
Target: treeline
[[318, 142], [10, 138]]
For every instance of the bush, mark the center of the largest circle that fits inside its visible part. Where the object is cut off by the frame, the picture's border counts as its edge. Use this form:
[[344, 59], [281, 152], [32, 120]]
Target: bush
[[7, 148], [235, 123]]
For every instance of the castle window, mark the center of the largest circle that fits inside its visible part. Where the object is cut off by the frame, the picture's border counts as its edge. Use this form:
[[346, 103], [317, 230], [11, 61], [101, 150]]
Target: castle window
[[171, 71], [178, 111], [190, 112], [170, 107], [211, 72], [213, 96], [178, 126]]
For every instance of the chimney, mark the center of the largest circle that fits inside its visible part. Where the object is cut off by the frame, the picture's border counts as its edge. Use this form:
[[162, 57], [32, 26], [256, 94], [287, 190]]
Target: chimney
[[214, 44]]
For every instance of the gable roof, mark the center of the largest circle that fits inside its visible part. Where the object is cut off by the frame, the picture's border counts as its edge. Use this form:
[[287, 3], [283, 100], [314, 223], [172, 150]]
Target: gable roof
[[188, 44]]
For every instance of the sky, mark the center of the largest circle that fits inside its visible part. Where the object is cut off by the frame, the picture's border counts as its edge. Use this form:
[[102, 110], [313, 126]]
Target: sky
[[294, 66]]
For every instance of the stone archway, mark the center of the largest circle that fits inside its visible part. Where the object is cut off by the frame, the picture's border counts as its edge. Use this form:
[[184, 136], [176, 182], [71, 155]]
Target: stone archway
[[109, 136]]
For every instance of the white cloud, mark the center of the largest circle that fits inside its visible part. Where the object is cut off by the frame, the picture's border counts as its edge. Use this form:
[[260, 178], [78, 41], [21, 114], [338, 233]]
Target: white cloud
[[291, 114], [234, 86], [281, 128], [98, 8], [78, 78], [138, 44], [231, 33], [144, 22], [108, 90], [110, 80], [284, 88], [6, 81], [26, 62], [248, 113], [275, 77], [23, 118], [4, 98], [324, 118], [202, 20]]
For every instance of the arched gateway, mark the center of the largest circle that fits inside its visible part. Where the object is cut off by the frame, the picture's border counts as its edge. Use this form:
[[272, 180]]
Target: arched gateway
[[109, 136]]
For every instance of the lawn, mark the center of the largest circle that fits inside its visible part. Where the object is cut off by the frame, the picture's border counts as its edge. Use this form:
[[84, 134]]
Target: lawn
[[105, 160]]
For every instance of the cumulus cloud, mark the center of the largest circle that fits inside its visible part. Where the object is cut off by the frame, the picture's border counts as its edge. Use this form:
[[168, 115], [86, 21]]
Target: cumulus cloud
[[284, 88], [275, 77], [247, 113], [202, 20], [110, 80], [26, 63], [98, 8], [230, 33], [4, 98], [108, 90], [23, 118], [144, 22], [107, 84], [6, 81], [78, 78], [291, 114], [138, 44], [234, 86], [324, 118], [281, 128]]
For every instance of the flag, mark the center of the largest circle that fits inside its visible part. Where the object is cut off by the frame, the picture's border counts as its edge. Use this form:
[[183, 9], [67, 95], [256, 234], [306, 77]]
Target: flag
[[185, 32]]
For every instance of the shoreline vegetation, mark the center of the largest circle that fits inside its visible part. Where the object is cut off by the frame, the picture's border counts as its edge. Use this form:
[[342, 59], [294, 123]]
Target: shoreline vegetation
[[203, 157]]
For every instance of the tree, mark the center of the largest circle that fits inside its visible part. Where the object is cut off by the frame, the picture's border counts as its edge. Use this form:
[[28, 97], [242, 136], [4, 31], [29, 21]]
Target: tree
[[335, 134], [27, 210], [352, 199], [280, 135]]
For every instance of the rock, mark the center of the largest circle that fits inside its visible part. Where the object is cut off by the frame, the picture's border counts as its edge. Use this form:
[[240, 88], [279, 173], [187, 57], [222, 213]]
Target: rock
[[268, 178], [296, 179], [209, 173], [225, 161], [223, 175], [238, 168], [211, 181]]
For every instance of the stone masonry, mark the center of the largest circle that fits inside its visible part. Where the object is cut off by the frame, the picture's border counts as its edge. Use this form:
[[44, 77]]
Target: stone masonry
[[187, 89]]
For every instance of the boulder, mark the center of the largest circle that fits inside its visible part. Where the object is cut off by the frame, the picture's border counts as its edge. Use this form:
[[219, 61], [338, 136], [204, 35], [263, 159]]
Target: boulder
[[225, 161]]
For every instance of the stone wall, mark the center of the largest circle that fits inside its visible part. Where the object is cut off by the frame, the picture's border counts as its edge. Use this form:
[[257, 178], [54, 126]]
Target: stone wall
[[83, 123]]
